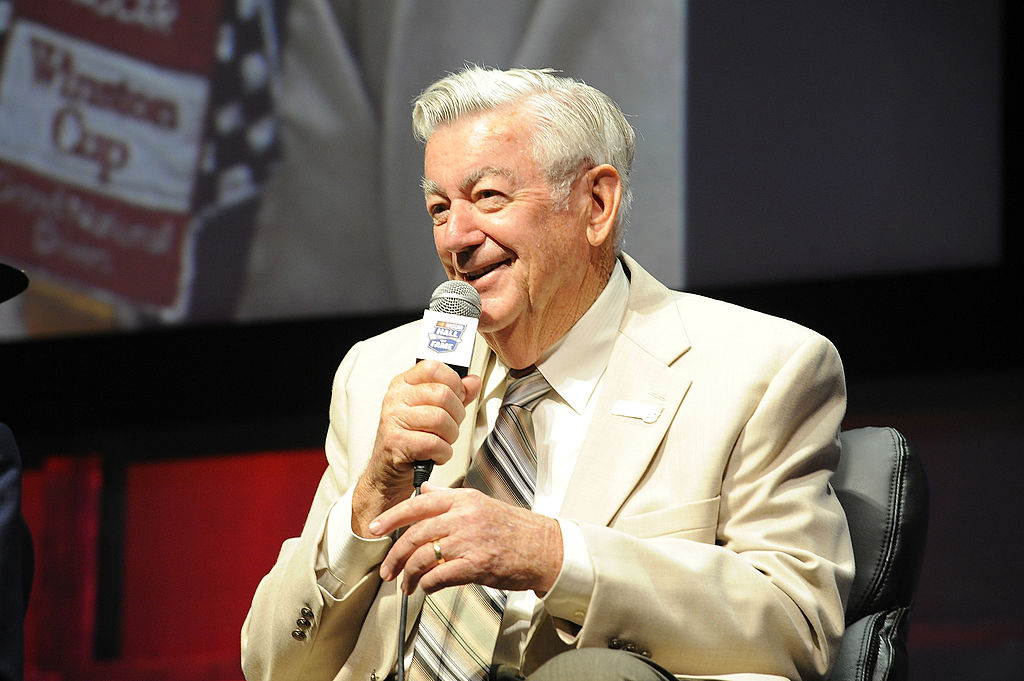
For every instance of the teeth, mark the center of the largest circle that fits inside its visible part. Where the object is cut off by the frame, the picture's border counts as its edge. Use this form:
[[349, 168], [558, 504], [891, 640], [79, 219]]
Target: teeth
[[476, 275]]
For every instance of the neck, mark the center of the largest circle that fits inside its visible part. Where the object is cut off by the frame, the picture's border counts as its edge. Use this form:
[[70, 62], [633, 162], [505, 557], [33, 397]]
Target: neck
[[522, 345]]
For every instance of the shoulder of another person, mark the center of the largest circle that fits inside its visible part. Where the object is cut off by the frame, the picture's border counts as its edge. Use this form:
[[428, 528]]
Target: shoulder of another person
[[6, 439]]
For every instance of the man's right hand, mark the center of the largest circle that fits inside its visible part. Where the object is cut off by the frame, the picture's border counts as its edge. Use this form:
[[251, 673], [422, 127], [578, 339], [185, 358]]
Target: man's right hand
[[419, 421]]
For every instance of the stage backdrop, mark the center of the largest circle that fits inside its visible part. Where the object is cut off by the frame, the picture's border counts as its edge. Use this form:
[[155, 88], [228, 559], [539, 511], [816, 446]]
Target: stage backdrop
[[248, 160]]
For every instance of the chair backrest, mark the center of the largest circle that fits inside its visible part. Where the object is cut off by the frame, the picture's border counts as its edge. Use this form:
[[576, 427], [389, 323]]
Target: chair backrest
[[884, 491]]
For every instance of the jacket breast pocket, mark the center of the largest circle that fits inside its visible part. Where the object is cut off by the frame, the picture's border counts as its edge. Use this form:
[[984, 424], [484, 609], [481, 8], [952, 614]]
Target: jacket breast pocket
[[695, 520]]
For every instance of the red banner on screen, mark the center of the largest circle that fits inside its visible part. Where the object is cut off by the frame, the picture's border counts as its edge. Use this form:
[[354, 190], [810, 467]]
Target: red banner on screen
[[161, 32], [108, 245], [103, 116]]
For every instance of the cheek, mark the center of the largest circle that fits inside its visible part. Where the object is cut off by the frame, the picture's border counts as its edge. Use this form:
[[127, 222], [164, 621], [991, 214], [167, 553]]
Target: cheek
[[558, 251], [442, 253], [550, 272]]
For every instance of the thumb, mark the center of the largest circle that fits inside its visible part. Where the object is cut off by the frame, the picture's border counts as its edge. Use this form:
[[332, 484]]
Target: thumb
[[473, 385]]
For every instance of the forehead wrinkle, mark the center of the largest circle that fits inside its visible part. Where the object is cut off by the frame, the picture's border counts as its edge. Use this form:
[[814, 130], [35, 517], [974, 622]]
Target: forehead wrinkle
[[432, 188], [487, 171]]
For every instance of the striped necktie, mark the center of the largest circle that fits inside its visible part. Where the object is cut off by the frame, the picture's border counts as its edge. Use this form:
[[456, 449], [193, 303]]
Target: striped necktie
[[459, 625]]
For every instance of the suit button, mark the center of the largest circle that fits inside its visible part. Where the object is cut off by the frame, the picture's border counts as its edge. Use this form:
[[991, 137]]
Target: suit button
[[630, 647], [646, 653], [304, 623], [299, 635], [616, 644], [307, 613]]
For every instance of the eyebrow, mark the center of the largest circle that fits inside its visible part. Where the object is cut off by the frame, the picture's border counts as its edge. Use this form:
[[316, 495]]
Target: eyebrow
[[431, 188]]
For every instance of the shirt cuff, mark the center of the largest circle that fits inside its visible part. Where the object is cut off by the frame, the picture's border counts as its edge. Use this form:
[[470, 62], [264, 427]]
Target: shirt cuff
[[344, 557], [569, 598]]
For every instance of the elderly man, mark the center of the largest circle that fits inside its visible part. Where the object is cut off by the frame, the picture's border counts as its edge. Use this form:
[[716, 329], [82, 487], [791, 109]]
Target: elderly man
[[631, 483]]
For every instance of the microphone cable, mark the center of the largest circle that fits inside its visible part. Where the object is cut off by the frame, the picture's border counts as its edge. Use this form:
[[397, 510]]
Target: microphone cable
[[459, 304], [420, 475]]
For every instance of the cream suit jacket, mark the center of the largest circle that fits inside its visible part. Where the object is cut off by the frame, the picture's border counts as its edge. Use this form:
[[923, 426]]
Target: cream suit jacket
[[717, 543]]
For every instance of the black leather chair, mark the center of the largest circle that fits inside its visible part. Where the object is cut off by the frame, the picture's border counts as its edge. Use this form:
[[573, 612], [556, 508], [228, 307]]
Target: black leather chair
[[884, 491]]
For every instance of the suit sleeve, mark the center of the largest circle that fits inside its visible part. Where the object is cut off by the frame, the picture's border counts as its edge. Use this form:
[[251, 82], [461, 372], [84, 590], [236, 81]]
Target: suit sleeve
[[764, 590], [335, 616], [12, 544]]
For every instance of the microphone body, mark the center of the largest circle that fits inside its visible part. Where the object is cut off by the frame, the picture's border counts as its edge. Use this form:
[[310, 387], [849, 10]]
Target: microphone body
[[447, 334]]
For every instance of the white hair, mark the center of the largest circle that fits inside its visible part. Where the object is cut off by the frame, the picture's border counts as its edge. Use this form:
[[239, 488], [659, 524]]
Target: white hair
[[577, 126]]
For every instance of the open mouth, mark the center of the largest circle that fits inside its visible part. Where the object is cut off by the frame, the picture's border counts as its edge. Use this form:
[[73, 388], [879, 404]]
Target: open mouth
[[477, 274]]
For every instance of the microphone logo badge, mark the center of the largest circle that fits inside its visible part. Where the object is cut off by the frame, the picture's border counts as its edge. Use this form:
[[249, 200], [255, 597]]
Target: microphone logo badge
[[446, 336]]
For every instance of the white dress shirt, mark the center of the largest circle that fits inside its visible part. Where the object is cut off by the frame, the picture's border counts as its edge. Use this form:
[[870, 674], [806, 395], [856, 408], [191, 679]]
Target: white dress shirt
[[574, 367]]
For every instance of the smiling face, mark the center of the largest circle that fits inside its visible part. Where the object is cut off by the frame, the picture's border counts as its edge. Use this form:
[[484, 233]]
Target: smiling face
[[538, 264]]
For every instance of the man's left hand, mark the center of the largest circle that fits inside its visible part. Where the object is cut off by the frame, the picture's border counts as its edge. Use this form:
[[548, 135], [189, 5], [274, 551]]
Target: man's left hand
[[482, 541]]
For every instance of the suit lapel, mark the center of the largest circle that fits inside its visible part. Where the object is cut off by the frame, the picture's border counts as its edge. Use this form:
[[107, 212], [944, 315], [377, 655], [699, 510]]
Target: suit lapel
[[618, 448]]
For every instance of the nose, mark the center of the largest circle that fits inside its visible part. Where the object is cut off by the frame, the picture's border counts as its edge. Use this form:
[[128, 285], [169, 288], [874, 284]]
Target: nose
[[461, 231]]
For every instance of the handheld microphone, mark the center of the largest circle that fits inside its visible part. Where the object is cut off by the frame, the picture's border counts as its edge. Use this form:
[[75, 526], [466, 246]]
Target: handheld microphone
[[447, 334]]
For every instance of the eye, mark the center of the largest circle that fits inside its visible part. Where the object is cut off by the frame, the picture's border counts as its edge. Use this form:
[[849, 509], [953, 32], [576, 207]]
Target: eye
[[438, 211], [489, 198]]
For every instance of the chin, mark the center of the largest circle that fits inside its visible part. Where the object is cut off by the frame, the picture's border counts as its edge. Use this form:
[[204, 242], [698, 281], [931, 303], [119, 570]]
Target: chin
[[500, 307], [487, 323], [491, 320]]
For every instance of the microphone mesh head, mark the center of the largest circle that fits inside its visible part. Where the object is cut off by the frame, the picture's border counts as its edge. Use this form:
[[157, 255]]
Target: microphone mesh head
[[456, 297]]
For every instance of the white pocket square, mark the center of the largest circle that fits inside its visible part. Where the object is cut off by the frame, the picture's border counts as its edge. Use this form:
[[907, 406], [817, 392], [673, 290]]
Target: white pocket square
[[648, 413]]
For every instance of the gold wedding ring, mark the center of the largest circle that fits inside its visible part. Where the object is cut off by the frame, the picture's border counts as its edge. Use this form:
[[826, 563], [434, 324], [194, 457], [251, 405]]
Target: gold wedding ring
[[438, 554]]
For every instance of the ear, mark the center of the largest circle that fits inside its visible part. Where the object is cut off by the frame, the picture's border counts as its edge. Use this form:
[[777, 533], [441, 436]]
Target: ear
[[605, 187]]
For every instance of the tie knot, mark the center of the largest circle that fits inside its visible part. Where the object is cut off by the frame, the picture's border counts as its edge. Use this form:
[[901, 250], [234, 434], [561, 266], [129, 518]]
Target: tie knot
[[527, 388]]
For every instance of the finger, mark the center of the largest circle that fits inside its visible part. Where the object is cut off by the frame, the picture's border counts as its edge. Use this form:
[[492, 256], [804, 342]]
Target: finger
[[419, 446], [451, 573], [473, 385], [419, 422], [434, 571], [434, 419], [399, 447], [439, 393], [413, 550], [408, 391], [426, 571], [424, 560], [428, 407], [433, 501], [432, 371]]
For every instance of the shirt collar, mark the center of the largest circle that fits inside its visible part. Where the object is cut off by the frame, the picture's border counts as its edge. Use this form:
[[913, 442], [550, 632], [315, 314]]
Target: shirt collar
[[575, 363]]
